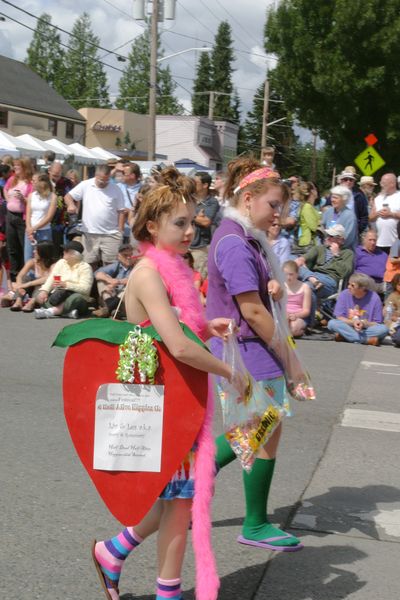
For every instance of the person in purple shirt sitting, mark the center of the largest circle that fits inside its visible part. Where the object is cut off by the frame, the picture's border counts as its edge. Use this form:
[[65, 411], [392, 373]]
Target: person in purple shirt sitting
[[358, 312], [370, 260], [239, 288]]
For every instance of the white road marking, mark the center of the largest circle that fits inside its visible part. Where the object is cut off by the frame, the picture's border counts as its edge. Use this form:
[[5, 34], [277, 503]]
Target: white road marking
[[371, 419], [368, 364], [388, 373]]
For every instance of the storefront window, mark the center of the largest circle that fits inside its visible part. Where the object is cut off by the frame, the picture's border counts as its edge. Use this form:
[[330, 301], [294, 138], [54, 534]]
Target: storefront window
[[53, 126], [69, 130], [3, 118]]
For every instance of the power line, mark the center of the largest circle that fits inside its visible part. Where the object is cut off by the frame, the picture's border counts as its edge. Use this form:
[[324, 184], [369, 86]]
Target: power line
[[216, 17], [234, 19]]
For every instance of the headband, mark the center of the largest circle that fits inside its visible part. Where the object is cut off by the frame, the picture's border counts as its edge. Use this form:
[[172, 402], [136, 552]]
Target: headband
[[263, 173]]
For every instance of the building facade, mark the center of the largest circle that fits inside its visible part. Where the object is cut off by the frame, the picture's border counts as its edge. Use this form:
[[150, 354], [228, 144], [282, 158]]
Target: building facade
[[28, 104]]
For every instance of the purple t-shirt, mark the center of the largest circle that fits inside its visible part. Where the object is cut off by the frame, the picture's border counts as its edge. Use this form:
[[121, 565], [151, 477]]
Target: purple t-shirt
[[235, 266], [371, 263], [370, 306]]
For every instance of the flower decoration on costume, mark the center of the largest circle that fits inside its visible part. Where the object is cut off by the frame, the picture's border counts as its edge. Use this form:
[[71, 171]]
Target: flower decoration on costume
[[137, 352]]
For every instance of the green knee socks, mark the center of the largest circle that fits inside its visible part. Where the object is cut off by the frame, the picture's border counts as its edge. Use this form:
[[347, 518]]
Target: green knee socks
[[257, 484], [224, 454]]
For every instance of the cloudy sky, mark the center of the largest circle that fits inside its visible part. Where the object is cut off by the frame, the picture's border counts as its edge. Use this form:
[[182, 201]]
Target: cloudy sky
[[195, 25]]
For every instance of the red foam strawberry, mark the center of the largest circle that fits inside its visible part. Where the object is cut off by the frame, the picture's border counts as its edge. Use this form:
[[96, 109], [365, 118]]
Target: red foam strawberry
[[90, 363]]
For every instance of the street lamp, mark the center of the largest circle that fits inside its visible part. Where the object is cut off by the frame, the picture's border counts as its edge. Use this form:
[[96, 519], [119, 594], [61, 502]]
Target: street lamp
[[203, 49]]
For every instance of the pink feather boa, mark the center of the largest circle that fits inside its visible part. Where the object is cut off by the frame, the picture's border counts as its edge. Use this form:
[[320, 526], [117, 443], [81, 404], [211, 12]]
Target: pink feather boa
[[178, 280]]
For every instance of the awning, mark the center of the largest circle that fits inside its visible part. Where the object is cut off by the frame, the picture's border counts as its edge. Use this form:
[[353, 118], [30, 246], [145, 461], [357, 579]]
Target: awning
[[59, 147], [84, 156], [104, 154], [39, 144]]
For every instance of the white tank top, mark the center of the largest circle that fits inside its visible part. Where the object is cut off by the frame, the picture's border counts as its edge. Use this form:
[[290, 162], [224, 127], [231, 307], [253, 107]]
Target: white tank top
[[39, 209]]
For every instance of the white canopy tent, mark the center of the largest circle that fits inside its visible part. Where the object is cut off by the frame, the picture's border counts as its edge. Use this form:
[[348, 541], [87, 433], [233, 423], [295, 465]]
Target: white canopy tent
[[59, 147], [104, 154], [83, 155], [39, 144], [7, 146], [18, 147]]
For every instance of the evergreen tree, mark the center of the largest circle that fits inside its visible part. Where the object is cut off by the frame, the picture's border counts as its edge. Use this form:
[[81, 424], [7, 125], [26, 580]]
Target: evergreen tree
[[236, 108], [202, 84], [221, 60], [134, 83], [45, 55], [87, 80]]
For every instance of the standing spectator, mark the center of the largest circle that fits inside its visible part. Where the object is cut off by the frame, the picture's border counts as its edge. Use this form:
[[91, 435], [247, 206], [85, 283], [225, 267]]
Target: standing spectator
[[280, 244], [130, 186], [393, 262], [103, 216], [66, 290], [308, 218], [340, 214], [370, 260], [206, 211], [5, 279], [358, 201], [73, 177], [358, 314], [49, 158], [4, 172], [111, 281], [61, 186], [367, 186], [386, 212], [268, 156], [41, 207], [16, 192]]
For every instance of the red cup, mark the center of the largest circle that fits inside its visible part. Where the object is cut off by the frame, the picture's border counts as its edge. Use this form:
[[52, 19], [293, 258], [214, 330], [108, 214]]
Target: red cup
[[57, 277]]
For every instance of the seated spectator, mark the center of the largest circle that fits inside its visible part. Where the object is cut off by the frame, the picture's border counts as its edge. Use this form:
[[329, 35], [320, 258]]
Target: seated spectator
[[358, 312], [393, 262], [111, 281], [340, 214], [370, 260], [32, 276], [391, 311], [324, 266], [280, 244], [41, 206], [298, 306], [67, 289]]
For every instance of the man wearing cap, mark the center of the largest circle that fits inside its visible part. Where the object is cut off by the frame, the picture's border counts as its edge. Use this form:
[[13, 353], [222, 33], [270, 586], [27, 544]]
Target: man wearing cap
[[367, 187], [111, 281], [103, 216], [66, 291], [358, 201], [386, 212], [324, 266]]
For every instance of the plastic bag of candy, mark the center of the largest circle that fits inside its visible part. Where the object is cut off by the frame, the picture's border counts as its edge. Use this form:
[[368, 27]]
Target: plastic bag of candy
[[249, 417], [298, 381]]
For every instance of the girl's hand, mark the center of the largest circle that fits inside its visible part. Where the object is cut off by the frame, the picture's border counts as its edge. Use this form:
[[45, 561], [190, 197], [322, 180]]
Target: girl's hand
[[274, 288], [218, 328]]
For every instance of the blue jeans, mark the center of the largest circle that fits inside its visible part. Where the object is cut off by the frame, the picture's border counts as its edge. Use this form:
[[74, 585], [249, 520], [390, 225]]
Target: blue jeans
[[40, 236], [329, 287], [357, 337]]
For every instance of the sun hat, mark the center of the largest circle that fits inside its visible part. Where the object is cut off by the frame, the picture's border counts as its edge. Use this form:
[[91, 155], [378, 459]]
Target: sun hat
[[367, 179], [336, 231]]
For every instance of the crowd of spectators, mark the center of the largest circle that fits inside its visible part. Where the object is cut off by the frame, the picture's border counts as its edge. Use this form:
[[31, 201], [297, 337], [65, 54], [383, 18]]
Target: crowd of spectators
[[66, 246]]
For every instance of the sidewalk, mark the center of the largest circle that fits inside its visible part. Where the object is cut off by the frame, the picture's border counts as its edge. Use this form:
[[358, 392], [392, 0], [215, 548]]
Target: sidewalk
[[349, 516]]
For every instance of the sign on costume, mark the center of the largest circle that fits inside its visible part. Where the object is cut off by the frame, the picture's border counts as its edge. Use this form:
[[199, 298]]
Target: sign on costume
[[128, 427]]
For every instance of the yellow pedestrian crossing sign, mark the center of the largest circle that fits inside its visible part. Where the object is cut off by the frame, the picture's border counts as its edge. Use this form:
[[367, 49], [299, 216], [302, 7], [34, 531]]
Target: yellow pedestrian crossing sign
[[369, 161]]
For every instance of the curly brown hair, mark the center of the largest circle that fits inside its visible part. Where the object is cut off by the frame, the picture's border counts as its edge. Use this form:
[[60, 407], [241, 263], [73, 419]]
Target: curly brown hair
[[163, 199]]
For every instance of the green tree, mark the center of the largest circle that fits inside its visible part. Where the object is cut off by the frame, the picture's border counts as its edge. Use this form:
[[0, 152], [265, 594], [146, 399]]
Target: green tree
[[221, 59], [45, 55], [202, 85], [338, 70], [134, 83], [86, 83]]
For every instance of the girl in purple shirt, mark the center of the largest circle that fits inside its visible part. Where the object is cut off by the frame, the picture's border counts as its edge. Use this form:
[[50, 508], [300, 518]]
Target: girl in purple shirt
[[240, 283]]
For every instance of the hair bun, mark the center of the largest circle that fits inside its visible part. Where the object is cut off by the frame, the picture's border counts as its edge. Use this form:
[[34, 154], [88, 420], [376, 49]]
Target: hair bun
[[178, 182]]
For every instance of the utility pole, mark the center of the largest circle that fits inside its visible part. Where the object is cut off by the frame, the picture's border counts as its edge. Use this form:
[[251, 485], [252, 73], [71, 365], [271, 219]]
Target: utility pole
[[265, 114], [314, 157], [151, 151], [211, 105]]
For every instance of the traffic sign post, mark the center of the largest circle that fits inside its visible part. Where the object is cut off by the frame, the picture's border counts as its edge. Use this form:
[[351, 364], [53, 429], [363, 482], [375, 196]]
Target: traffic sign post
[[369, 161]]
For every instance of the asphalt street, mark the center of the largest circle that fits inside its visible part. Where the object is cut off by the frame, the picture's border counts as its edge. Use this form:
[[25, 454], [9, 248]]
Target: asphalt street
[[336, 486]]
